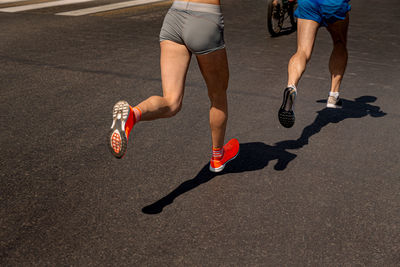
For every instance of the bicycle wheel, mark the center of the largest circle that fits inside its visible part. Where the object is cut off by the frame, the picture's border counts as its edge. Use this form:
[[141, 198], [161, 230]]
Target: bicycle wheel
[[274, 17], [291, 10]]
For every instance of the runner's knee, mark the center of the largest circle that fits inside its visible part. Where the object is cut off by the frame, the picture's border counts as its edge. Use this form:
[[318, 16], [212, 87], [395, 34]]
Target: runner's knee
[[174, 106], [339, 44], [217, 96], [304, 53]]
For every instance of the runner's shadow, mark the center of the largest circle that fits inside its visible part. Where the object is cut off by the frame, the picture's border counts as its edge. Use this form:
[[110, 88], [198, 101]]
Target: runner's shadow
[[256, 155], [252, 156], [351, 110]]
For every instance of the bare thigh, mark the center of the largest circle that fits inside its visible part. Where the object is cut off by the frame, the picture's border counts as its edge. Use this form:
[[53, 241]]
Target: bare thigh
[[215, 70], [306, 33], [338, 30], [174, 61]]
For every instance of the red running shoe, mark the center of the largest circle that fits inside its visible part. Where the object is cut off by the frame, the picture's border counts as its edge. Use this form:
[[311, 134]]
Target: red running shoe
[[123, 121], [231, 150]]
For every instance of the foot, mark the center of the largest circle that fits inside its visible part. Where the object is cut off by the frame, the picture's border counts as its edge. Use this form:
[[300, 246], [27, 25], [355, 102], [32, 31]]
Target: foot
[[231, 150], [334, 102], [286, 114], [123, 121]]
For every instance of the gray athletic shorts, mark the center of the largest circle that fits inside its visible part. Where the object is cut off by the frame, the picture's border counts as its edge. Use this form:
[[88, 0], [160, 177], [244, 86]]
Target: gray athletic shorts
[[200, 27]]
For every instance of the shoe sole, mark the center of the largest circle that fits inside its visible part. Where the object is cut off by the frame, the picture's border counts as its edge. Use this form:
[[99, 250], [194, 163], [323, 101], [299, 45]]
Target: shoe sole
[[117, 139], [333, 106], [221, 168], [286, 117]]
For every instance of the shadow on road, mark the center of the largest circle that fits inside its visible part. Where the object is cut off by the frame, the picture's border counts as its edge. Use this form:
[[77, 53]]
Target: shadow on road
[[256, 155], [252, 156], [351, 110]]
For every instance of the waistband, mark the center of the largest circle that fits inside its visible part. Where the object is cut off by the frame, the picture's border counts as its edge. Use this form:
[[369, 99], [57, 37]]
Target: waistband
[[199, 7]]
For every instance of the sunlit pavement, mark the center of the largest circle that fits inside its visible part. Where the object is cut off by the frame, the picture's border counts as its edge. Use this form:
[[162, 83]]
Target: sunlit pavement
[[323, 193]]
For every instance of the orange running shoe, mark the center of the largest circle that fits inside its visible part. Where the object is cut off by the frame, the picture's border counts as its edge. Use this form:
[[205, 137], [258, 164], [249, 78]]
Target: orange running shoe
[[123, 121], [231, 150]]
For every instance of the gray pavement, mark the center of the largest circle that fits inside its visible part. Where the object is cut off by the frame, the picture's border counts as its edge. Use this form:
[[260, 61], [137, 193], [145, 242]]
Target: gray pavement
[[323, 193]]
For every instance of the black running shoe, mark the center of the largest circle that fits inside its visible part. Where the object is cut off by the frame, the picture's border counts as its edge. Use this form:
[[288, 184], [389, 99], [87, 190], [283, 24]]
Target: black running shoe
[[286, 114]]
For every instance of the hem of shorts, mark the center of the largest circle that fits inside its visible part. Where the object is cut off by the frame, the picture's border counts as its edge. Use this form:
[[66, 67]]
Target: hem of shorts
[[316, 20], [335, 19], [208, 51], [323, 22], [165, 39]]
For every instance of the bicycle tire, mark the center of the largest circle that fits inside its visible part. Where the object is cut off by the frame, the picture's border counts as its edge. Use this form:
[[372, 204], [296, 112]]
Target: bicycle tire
[[273, 29], [293, 19]]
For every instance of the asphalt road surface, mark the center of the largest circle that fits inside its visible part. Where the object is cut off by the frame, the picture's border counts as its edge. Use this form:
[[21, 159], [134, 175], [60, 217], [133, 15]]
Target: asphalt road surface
[[323, 193]]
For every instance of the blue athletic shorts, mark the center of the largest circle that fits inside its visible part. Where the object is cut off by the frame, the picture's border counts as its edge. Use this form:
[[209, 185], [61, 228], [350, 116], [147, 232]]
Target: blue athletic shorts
[[322, 11]]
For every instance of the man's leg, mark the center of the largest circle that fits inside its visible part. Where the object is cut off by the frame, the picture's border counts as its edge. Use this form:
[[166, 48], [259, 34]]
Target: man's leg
[[215, 70], [338, 59], [306, 33]]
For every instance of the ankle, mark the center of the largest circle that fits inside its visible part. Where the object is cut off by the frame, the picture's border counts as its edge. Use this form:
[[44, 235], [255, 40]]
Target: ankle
[[137, 114], [334, 94], [292, 86], [217, 153]]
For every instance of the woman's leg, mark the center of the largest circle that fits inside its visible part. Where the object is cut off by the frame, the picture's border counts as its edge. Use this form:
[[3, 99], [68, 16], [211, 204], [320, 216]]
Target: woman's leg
[[215, 70], [174, 61]]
